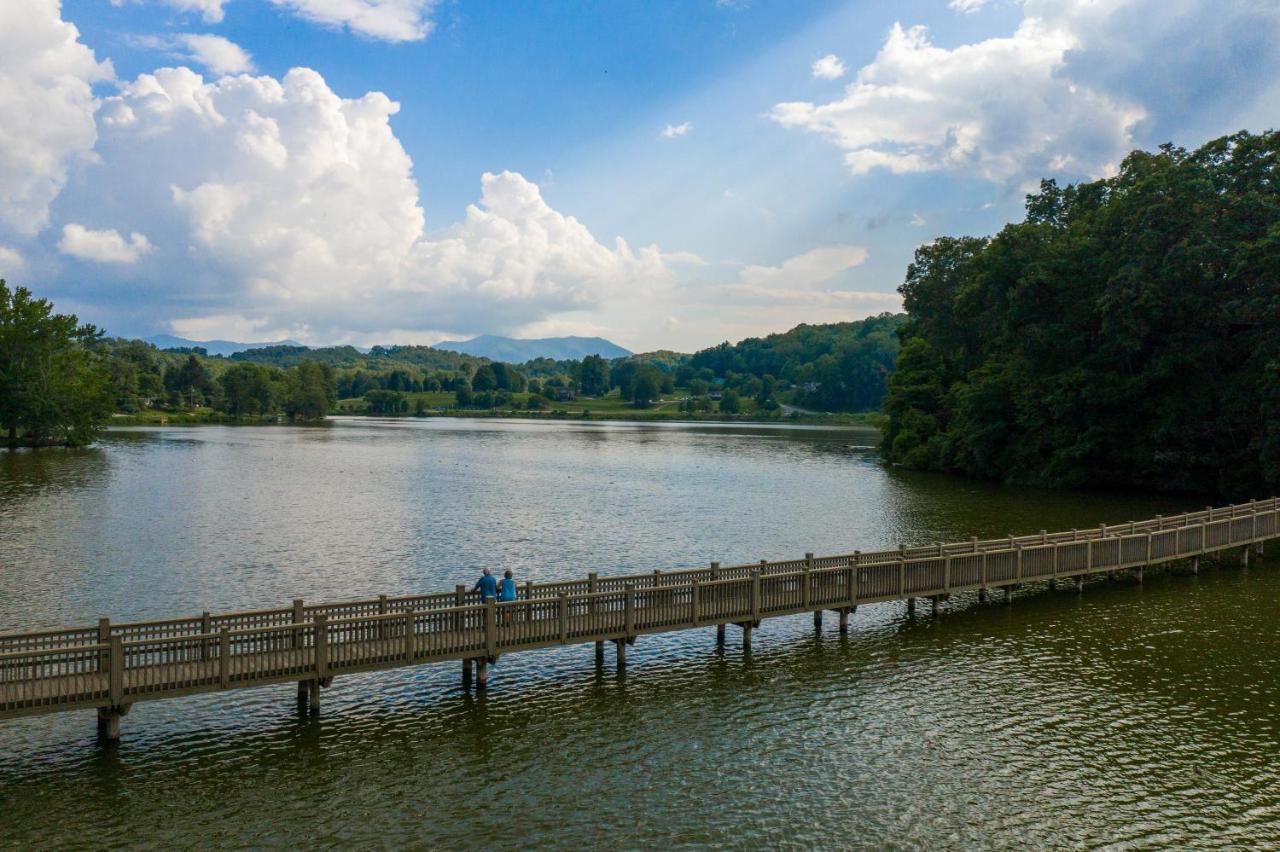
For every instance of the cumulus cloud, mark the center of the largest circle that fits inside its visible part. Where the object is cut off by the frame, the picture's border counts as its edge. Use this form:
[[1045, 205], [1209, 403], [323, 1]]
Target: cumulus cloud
[[47, 106], [675, 131], [210, 10], [102, 246], [828, 67], [10, 261], [1000, 109], [804, 270], [967, 7], [297, 212], [216, 53], [387, 20]]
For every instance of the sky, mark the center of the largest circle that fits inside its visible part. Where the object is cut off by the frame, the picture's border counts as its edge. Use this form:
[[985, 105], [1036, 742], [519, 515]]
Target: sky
[[668, 174]]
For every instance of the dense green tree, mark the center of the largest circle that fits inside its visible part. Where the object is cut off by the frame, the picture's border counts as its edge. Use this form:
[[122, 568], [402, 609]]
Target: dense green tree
[[311, 391], [1125, 334], [54, 386], [645, 387], [250, 389], [730, 402], [485, 379], [592, 375]]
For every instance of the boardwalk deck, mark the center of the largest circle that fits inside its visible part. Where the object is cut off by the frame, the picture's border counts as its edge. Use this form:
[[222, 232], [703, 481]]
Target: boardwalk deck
[[112, 666]]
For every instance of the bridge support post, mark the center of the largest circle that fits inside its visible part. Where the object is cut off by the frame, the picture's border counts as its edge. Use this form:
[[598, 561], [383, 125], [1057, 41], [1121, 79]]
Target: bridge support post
[[1008, 594], [982, 595], [911, 606], [1141, 569], [1079, 583], [1244, 556], [1053, 585], [466, 673], [935, 605], [109, 721], [313, 697], [1195, 565], [817, 619], [1261, 549], [746, 636], [482, 673], [1111, 576], [599, 654], [302, 696], [719, 635], [844, 619], [620, 650]]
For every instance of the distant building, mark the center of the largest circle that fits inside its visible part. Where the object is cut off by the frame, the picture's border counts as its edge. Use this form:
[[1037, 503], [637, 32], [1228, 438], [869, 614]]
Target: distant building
[[715, 394], [564, 395], [810, 387]]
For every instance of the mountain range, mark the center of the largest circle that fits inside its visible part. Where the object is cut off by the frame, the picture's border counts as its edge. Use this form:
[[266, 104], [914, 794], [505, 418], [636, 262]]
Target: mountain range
[[515, 351], [213, 347], [509, 349]]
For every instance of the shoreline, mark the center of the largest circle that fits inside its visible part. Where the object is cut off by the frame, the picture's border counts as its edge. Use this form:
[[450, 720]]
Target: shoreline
[[200, 418]]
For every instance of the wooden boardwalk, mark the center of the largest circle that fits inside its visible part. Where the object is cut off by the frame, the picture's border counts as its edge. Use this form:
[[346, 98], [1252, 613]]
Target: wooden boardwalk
[[110, 666]]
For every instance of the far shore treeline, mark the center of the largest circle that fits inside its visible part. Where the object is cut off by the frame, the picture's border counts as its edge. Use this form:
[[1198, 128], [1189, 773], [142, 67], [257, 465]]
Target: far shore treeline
[[1126, 334]]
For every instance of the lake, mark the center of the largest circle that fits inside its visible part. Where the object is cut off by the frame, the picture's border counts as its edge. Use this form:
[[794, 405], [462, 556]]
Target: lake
[[1130, 716]]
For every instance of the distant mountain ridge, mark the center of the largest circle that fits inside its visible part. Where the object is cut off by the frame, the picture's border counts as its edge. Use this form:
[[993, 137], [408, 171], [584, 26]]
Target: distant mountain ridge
[[213, 347], [516, 351]]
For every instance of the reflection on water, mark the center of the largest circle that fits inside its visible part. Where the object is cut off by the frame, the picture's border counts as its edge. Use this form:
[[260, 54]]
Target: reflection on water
[[1131, 715]]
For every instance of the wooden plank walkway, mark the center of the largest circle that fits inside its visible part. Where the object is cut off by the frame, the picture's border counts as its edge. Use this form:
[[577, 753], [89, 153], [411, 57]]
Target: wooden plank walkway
[[112, 666]]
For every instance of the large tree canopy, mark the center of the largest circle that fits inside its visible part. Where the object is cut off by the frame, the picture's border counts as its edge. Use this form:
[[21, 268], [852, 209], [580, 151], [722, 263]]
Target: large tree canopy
[[54, 386], [1126, 334]]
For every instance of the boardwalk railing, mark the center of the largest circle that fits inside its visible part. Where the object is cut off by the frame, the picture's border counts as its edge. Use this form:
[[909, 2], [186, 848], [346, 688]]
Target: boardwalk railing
[[114, 665]]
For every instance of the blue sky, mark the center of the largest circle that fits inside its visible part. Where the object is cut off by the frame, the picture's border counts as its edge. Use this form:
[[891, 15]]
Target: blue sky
[[763, 163]]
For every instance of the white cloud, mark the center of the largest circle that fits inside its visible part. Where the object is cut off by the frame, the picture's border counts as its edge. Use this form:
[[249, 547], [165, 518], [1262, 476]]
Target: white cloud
[[102, 246], [47, 108], [828, 67], [917, 220], [804, 270], [967, 7], [674, 131], [10, 261], [1002, 108], [210, 10], [216, 53], [388, 20], [298, 213]]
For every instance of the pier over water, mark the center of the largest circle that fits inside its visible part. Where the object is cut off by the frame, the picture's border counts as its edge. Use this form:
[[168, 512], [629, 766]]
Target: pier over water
[[110, 666]]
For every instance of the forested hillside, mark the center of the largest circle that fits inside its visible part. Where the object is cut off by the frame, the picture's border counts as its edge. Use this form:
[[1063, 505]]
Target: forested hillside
[[1126, 334]]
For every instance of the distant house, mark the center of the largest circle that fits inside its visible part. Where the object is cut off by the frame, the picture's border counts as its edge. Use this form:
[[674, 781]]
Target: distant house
[[810, 387], [715, 394], [564, 395]]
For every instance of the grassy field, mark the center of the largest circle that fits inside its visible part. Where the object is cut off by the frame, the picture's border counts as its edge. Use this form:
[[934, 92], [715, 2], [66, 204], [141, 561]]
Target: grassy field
[[610, 407]]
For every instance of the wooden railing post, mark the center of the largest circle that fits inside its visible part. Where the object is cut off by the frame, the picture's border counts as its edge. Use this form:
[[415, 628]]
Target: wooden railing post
[[490, 628], [656, 574], [715, 570], [755, 596], [104, 638], [564, 618], [224, 657], [592, 578], [1019, 568], [460, 600], [695, 610], [322, 645], [299, 615], [946, 574], [629, 612], [410, 644], [382, 622], [853, 585], [902, 577], [116, 678], [806, 584], [206, 625], [984, 569], [1148, 548]]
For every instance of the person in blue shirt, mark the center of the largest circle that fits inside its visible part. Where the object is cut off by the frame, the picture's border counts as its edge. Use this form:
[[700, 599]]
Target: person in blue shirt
[[507, 588], [487, 586]]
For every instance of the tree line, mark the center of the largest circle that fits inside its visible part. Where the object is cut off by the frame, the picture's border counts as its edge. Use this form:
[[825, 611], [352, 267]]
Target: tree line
[[1123, 335]]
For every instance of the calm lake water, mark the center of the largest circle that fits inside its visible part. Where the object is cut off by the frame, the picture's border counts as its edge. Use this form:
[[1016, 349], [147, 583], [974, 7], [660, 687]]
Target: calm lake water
[[1129, 717]]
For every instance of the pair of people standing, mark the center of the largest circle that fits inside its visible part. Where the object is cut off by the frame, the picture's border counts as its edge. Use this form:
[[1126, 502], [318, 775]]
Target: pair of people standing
[[490, 587]]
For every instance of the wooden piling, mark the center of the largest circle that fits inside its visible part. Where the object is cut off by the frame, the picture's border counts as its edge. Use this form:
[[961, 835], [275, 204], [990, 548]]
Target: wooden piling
[[935, 604], [720, 635], [466, 673], [482, 673], [599, 654], [620, 651], [844, 619]]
